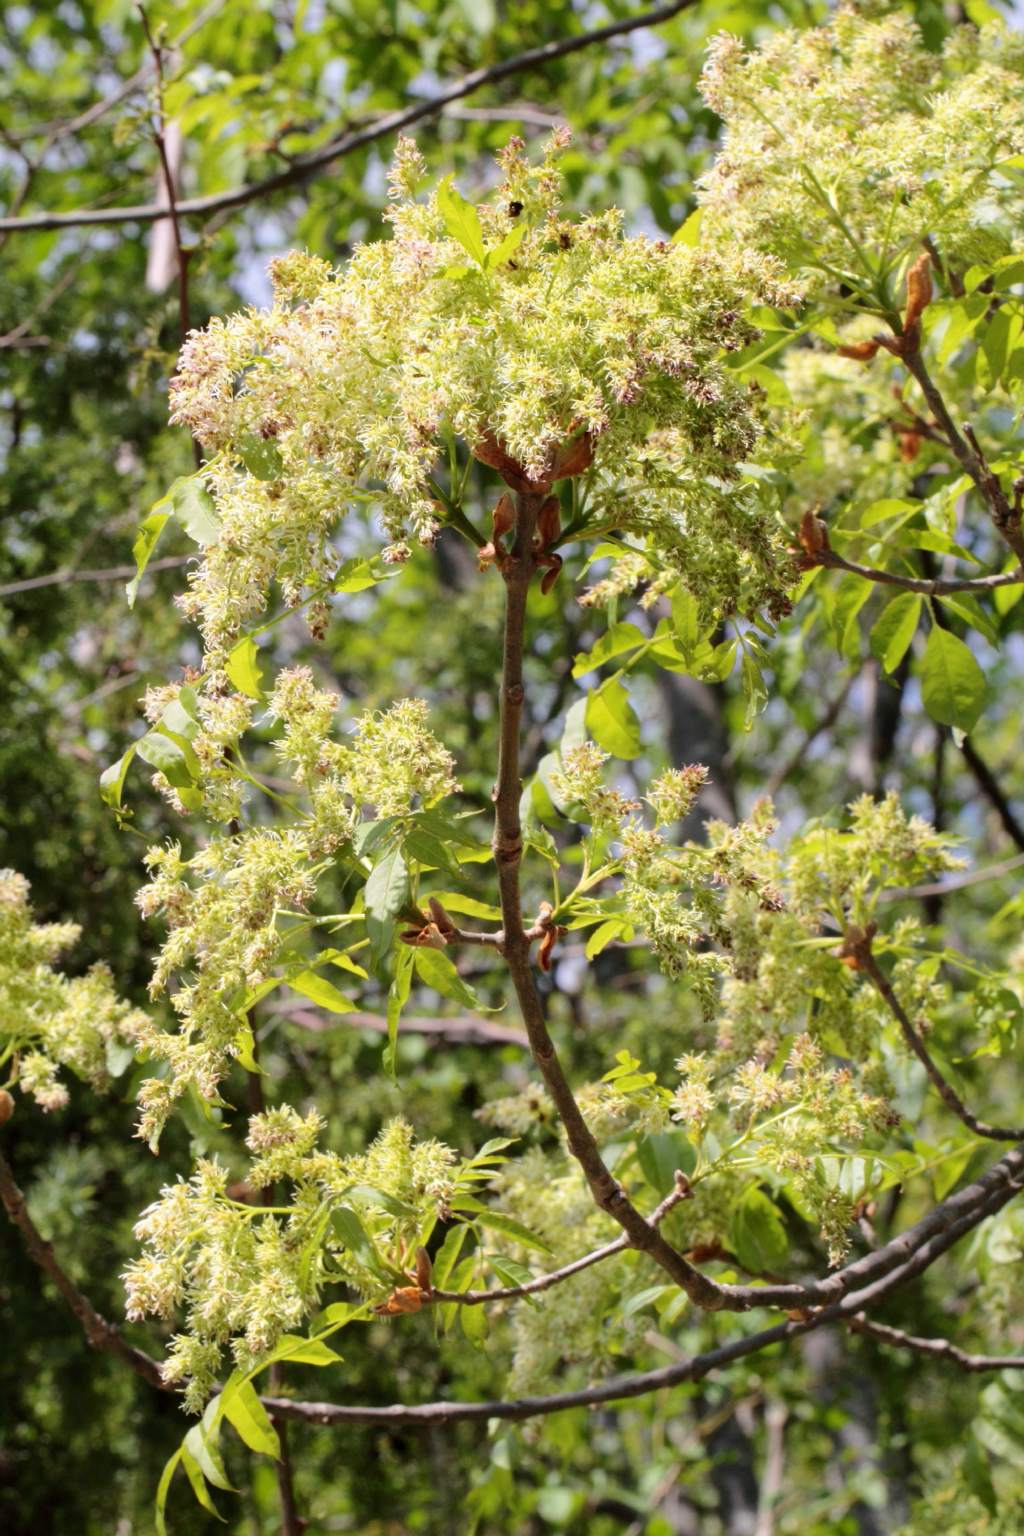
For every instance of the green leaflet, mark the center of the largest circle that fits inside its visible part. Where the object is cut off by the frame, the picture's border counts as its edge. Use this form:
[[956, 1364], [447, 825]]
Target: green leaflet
[[612, 721], [243, 669], [242, 1408], [387, 891], [320, 991], [894, 629], [757, 1234], [438, 972], [953, 685], [461, 220], [190, 502]]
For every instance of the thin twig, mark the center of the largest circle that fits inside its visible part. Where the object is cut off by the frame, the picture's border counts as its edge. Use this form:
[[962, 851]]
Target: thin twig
[[621, 1388], [67, 578], [869, 965], [942, 1227], [836, 562], [463, 1029], [305, 166], [966, 449], [955, 882], [85, 119], [159, 129], [941, 1349], [556, 1276], [99, 1333]]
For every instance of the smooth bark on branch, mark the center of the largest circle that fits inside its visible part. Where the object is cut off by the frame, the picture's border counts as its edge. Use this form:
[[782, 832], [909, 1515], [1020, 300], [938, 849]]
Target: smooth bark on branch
[[941, 1349], [100, 1334], [517, 572]]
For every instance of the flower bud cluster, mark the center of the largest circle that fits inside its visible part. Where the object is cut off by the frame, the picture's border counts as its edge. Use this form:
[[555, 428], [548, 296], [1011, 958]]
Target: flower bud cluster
[[225, 906], [848, 142], [245, 1275], [48, 1021]]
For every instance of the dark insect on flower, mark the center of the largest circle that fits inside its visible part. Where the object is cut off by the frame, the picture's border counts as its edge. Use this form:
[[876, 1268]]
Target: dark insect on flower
[[515, 208]]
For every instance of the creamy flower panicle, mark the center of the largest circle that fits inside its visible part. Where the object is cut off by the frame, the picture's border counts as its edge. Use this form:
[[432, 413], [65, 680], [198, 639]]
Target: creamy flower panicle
[[855, 135], [229, 907], [349, 388], [50, 1022]]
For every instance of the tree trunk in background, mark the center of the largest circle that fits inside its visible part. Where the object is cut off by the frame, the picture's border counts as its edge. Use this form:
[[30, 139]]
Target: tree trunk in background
[[856, 1439]]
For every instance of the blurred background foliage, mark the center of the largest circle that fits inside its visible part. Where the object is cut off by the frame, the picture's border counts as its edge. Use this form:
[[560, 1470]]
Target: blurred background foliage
[[89, 328]]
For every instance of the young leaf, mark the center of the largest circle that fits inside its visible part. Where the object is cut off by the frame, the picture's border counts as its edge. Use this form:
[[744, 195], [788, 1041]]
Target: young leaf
[[243, 1409], [757, 1235], [261, 457], [194, 1473], [461, 221], [112, 778], [615, 640], [163, 1487], [438, 972], [350, 1230], [505, 248], [387, 891], [201, 1443], [190, 502], [320, 991], [611, 719], [894, 629], [398, 996], [300, 1351], [243, 669], [146, 541], [953, 686]]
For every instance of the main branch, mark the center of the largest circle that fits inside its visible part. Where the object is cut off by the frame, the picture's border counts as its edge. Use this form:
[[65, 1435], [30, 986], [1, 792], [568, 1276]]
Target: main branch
[[100, 1334], [518, 570]]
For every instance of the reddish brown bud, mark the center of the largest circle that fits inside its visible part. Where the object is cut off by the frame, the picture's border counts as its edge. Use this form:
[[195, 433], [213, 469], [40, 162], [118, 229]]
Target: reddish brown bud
[[813, 537], [547, 944], [860, 351], [490, 452], [6, 1106], [442, 921], [424, 1270], [554, 566], [575, 458], [919, 290], [427, 937], [549, 522], [910, 446], [855, 950], [406, 1298]]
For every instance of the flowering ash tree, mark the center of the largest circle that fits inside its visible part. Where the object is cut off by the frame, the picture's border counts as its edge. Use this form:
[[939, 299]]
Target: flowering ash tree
[[809, 400]]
